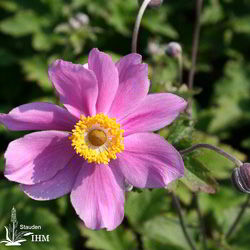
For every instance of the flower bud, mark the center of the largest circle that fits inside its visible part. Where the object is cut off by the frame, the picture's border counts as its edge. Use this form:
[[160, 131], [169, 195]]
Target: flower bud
[[153, 3], [241, 178], [174, 49], [82, 18]]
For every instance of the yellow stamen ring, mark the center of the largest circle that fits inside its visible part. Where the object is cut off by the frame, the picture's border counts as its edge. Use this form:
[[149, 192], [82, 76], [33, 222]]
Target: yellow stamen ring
[[97, 138]]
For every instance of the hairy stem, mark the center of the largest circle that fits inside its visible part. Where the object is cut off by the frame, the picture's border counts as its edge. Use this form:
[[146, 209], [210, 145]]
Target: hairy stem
[[230, 157], [195, 44], [137, 24], [202, 226], [239, 216], [183, 225]]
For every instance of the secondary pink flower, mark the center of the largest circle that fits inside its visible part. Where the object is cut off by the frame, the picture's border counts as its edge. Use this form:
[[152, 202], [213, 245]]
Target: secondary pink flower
[[101, 138]]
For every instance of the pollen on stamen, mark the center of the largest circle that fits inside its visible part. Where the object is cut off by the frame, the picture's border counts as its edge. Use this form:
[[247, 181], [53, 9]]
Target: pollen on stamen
[[97, 138]]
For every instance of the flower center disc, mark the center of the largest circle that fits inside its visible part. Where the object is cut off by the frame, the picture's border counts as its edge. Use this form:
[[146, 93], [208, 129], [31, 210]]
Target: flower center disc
[[97, 137]]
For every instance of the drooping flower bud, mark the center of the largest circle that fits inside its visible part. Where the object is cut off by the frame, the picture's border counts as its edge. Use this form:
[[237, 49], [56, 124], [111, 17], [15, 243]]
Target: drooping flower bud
[[174, 49], [153, 3], [241, 178]]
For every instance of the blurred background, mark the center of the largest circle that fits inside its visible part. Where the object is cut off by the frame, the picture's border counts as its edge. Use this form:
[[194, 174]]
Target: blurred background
[[34, 33]]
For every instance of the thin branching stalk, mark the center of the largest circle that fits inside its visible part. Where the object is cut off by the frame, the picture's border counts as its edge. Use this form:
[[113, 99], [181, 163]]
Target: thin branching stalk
[[137, 24], [239, 216], [230, 157], [183, 225], [195, 44], [201, 222]]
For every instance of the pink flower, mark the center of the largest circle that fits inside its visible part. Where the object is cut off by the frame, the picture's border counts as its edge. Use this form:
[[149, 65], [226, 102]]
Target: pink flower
[[83, 150]]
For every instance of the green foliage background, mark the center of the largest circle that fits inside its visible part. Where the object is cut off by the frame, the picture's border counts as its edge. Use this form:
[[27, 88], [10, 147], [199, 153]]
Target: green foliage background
[[34, 33]]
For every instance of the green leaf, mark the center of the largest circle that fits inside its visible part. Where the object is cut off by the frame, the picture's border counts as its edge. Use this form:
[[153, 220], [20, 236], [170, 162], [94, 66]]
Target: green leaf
[[213, 13], [164, 230], [232, 98], [141, 207], [180, 132], [23, 23], [182, 191], [36, 69], [9, 5], [164, 74], [224, 205], [241, 24], [117, 14], [119, 239], [197, 177], [150, 244], [156, 23], [120, 17], [45, 42], [220, 167], [240, 239]]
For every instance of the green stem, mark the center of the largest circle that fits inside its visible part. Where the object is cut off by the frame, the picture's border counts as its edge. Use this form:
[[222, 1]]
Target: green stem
[[182, 223], [239, 216], [201, 222]]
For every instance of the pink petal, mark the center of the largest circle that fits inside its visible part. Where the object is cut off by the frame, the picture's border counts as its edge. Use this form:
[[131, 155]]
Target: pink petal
[[38, 116], [125, 63], [149, 161], [133, 86], [107, 77], [76, 85], [154, 112], [59, 185], [98, 196], [37, 157]]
